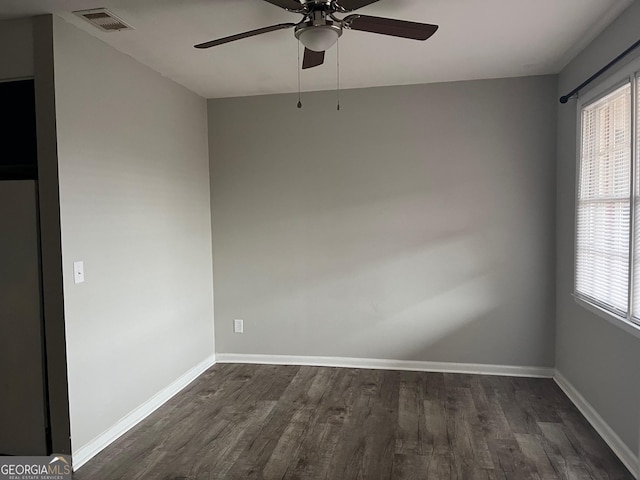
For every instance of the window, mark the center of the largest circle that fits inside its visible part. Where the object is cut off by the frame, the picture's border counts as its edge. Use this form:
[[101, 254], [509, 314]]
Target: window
[[608, 213]]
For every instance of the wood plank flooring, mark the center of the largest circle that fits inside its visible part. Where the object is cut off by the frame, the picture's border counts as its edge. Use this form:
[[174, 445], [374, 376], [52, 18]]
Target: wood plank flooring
[[265, 422]]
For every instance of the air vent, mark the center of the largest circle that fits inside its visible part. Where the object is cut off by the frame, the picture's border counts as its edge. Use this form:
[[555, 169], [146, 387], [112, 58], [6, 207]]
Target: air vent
[[103, 19]]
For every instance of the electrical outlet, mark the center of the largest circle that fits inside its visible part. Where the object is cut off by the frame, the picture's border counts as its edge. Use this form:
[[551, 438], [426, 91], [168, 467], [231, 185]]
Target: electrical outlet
[[238, 326]]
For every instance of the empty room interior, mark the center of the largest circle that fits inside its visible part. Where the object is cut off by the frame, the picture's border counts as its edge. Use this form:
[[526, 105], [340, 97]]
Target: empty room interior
[[339, 239]]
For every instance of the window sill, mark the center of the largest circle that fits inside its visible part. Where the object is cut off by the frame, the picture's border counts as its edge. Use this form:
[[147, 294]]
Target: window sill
[[613, 319]]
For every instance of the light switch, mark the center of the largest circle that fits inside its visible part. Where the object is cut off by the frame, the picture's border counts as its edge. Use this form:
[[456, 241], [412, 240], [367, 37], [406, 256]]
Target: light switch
[[78, 272], [238, 326]]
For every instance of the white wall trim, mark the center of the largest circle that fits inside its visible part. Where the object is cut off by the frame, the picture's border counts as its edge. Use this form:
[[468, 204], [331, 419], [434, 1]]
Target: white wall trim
[[385, 364], [85, 453], [624, 453]]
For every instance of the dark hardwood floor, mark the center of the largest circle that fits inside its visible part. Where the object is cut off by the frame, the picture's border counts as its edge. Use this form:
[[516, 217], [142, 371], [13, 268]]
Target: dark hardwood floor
[[283, 422]]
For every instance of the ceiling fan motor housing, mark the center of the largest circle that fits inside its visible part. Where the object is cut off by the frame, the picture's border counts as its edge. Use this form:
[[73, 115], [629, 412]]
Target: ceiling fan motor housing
[[310, 4]]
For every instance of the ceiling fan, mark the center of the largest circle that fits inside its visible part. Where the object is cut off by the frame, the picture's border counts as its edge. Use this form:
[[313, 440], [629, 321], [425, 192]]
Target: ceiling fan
[[319, 28]]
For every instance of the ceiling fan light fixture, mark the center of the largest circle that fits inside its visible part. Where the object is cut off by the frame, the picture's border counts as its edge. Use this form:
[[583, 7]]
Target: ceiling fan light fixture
[[319, 37]]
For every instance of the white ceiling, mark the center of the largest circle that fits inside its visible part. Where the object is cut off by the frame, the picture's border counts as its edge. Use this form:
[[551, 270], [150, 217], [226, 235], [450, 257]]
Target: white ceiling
[[477, 39]]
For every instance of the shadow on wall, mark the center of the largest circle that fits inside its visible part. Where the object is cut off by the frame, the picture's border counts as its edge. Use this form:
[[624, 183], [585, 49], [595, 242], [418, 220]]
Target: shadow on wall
[[418, 237], [403, 278]]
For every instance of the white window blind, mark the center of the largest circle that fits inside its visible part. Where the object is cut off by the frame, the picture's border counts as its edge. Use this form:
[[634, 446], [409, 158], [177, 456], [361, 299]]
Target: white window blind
[[604, 203], [636, 260]]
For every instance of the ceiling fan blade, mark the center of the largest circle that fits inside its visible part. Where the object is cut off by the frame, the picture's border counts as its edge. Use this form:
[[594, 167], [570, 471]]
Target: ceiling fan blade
[[239, 36], [389, 26], [312, 59], [351, 5], [290, 5]]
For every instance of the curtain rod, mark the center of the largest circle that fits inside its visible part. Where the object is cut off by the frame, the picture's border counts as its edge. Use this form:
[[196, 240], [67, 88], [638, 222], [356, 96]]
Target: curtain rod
[[565, 98]]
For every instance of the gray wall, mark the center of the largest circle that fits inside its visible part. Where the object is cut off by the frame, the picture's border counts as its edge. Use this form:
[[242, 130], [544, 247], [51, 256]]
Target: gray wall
[[22, 406], [16, 48], [22, 396], [134, 202], [598, 358], [26, 50], [415, 224], [50, 235]]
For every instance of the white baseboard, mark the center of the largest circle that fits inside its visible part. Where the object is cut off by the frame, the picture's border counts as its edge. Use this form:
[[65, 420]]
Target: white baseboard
[[384, 364], [623, 452], [85, 453]]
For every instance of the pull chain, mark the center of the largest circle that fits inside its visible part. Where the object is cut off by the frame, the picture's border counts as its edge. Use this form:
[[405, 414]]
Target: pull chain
[[298, 68], [338, 73]]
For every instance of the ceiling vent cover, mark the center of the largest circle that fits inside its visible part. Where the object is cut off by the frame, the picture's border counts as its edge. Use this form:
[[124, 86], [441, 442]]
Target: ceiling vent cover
[[103, 19]]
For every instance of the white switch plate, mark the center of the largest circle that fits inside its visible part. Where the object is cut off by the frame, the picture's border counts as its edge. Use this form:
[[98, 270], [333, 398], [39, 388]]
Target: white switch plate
[[78, 272], [238, 326]]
